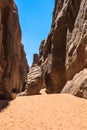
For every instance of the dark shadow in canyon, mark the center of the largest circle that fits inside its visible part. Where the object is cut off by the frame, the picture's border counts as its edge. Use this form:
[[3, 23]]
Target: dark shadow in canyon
[[4, 104]]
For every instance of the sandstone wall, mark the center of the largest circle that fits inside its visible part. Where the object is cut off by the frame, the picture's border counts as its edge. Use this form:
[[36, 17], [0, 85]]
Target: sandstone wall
[[63, 53], [13, 63]]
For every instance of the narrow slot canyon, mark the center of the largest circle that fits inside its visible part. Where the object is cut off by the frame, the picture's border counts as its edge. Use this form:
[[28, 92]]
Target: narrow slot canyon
[[43, 65]]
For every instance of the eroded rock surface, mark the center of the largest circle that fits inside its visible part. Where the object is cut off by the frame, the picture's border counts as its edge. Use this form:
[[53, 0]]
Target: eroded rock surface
[[63, 53], [13, 63], [78, 85], [34, 79], [33, 82]]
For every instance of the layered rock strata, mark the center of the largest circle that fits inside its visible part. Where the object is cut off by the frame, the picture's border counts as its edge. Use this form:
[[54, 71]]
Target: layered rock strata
[[34, 79], [13, 63]]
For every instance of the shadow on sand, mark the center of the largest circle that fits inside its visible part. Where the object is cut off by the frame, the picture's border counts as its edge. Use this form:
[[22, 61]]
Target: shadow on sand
[[5, 99], [4, 104]]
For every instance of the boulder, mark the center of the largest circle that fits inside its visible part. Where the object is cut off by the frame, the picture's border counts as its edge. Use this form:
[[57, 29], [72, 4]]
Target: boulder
[[78, 85], [33, 82]]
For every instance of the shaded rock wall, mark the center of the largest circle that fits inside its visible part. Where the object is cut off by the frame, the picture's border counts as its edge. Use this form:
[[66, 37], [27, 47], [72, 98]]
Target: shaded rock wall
[[76, 57], [13, 63], [35, 59], [63, 53]]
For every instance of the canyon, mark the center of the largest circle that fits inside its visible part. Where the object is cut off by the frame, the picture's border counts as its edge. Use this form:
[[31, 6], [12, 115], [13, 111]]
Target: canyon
[[52, 93], [61, 64]]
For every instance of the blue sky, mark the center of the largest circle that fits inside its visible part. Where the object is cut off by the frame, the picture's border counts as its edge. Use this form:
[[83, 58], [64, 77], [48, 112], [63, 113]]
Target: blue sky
[[35, 19]]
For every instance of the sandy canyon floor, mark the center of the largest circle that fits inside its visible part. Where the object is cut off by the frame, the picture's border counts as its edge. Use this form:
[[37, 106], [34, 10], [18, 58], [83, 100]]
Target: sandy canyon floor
[[44, 112]]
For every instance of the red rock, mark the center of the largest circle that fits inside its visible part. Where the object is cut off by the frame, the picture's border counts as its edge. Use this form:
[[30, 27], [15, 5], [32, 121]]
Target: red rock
[[13, 63], [63, 53]]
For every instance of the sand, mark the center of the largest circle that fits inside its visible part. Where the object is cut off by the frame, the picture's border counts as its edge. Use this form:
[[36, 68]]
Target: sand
[[44, 112]]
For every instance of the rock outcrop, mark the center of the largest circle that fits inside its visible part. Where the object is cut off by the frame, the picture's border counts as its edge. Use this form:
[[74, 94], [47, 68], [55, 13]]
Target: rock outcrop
[[13, 63], [35, 59], [64, 52], [78, 85], [34, 79]]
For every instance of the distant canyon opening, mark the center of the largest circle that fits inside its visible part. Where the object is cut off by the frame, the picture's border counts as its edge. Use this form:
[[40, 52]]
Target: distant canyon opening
[[35, 19]]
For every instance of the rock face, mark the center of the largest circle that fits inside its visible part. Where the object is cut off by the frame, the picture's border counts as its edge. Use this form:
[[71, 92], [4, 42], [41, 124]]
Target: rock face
[[78, 85], [13, 63], [34, 79], [76, 48], [64, 52], [35, 59]]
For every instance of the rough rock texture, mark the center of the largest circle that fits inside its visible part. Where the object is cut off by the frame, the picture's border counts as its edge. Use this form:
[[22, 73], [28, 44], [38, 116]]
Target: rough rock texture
[[53, 51], [33, 82], [34, 79], [76, 48], [64, 52], [78, 85], [35, 59], [13, 63]]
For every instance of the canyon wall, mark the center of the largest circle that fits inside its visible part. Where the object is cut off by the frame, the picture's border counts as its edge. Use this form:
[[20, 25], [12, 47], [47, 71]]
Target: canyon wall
[[64, 52], [13, 63]]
